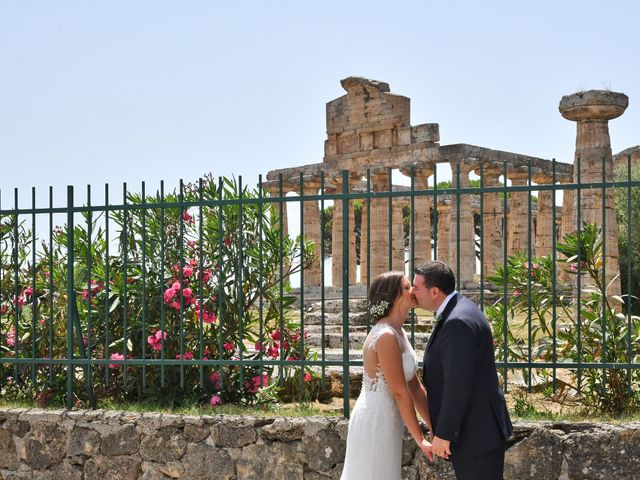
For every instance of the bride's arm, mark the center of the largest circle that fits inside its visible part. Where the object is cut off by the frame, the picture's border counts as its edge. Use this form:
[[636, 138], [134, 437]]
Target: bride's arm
[[419, 396], [390, 359]]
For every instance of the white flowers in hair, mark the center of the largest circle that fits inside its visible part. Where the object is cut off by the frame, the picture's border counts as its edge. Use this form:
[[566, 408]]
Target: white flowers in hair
[[378, 310]]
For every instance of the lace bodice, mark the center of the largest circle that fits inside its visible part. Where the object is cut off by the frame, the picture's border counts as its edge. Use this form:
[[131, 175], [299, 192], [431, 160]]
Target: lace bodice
[[409, 360]]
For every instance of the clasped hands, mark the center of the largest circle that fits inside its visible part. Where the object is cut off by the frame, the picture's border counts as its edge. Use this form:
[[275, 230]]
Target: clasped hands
[[438, 447]]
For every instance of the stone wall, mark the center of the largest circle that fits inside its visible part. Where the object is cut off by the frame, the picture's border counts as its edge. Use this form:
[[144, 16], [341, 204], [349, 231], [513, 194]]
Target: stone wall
[[40, 444]]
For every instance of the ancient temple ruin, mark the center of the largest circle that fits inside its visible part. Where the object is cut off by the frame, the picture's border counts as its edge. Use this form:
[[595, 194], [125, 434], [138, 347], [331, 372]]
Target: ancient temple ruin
[[369, 134]]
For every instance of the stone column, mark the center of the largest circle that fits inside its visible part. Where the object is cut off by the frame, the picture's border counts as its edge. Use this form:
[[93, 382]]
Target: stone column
[[397, 235], [592, 111], [492, 220], [312, 230], [444, 220], [544, 227], [421, 248], [517, 217], [273, 189], [379, 224], [337, 243], [568, 220], [462, 220], [364, 235]]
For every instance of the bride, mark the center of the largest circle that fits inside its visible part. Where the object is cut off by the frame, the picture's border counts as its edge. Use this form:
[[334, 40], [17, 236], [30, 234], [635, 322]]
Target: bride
[[391, 391]]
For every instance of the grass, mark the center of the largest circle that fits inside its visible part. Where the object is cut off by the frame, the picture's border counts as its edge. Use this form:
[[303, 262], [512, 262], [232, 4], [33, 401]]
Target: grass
[[522, 411], [266, 410]]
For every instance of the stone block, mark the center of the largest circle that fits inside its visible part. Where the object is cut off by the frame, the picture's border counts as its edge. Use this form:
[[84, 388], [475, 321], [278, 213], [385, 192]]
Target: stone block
[[366, 141], [8, 453], [284, 430], [40, 451], [382, 139], [229, 432], [348, 142], [427, 132], [121, 441], [83, 441], [167, 444], [276, 460], [205, 462], [101, 467], [323, 447]]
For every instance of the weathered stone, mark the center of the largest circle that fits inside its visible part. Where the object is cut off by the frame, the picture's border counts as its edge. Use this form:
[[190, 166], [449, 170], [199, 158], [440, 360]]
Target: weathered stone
[[233, 433], [41, 451], [103, 467], [585, 452], [276, 460], [284, 430], [523, 460], [322, 445], [122, 441], [207, 462], [62, 471], [8, 454], [83, 441], [154, 471], [166, 444]]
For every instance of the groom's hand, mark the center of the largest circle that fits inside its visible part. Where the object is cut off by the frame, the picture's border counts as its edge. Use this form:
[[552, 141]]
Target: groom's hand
[[440, 447]]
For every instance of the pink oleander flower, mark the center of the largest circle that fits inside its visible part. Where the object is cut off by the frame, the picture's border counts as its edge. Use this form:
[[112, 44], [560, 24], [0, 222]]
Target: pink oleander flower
[[307, 377], [186, 356], [175, 305], [229, 347], [116, 356], [168, 295], [156, 340], [517, 293], [187, 271], [209, 317], [214, 378], [193, 262], [275, 335], [273, 352], [3, 309], [215, 400], [259, 347], [191, 243], [186, 217], [187, 292], [227, 242], [207, 276], [11, 337], [28, 291], [264, 379]]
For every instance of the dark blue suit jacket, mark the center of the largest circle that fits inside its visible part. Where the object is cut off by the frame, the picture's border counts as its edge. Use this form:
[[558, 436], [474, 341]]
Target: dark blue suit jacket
[[466, 403]]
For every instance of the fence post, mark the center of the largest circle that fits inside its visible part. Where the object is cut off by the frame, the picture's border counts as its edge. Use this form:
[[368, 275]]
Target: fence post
[[70, 296], [345, 293]]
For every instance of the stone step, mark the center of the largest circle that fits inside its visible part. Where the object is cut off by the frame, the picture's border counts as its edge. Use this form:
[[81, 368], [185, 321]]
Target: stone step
[[356, 305], [316, 329], [356, 339], [335, 355]]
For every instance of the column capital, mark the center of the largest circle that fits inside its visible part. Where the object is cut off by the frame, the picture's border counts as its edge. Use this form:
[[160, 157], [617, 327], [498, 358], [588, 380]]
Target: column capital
[[273, 187], [466, 164], [422, 170]]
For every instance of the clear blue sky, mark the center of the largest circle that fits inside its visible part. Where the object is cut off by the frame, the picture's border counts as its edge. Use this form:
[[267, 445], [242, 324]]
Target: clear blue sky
[[94, 92]]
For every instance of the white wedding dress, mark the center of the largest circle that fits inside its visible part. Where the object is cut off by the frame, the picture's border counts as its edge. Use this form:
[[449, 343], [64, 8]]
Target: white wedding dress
[[376, 429]]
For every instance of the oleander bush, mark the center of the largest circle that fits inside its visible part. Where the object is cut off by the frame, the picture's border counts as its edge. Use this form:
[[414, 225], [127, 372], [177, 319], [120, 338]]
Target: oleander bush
[[200, 274]]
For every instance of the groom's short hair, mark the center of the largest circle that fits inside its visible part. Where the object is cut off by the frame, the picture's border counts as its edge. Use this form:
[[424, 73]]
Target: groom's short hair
[[437, 274]]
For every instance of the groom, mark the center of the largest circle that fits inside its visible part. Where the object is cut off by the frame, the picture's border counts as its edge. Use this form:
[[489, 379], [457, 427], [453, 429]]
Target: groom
[[468, 412]]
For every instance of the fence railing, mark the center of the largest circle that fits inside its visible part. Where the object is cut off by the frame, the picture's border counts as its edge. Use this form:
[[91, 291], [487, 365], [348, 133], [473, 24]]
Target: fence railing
[[187, 294]]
